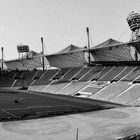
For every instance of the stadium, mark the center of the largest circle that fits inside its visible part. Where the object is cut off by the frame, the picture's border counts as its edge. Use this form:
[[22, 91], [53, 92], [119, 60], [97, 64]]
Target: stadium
[[89, 93]]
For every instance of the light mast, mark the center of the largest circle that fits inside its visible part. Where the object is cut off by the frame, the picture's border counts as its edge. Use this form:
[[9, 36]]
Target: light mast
[[88, 44], [133, 21], [2, 61], [43, 64]]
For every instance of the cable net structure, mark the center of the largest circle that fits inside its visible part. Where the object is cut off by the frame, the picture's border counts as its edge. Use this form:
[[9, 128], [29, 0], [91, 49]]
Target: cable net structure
[[33, 61], [112, 50], [73, 56]]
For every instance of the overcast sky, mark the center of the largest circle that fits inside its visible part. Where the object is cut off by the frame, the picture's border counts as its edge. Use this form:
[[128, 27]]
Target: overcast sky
[[62, 22]]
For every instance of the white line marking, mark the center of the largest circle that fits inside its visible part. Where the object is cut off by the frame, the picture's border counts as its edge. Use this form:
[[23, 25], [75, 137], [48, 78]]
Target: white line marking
[[9, 113]]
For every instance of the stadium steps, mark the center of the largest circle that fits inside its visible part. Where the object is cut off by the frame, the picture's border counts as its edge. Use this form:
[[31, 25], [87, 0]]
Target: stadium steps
[[91, 89], [44, 80], [6, 79], [46, 77], [71, 73], [92, 73], [124, 73], [102, 73], [37, 76], [81, 73], [60, 73], [72, 88], [111, 91], [112, 73], [25, 79], [132, 75], [128, 96], [53, 88], [63, 81]]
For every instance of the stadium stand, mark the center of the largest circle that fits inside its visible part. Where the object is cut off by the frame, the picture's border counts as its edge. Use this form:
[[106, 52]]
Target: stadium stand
[[44, 80], [132, 75], [111, 91], [70, 74], [125, 72], [60, 74], [7, 79], [60, 83], [114, 72], [128, 96], [92, 88], [81, 73], [93, 72], [102, 73], [25, 79], [72, 88], [38, 75], [54, 87], [135, 102]]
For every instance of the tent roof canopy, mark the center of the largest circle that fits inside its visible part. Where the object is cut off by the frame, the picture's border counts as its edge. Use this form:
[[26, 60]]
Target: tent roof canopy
[[70, 48], [108, 43]]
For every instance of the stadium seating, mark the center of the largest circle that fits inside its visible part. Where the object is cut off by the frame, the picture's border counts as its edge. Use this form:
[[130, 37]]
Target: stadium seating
[[54, 87], [81, 73], [60, 73], [125, 72], [102, 73], [112, 74], [72, 88], [45, 78], [128, 96], [92, 73], [60, 83], [111, 91], [7, 79], [71, 74], [25, 79], [92, 88], [132, 75]]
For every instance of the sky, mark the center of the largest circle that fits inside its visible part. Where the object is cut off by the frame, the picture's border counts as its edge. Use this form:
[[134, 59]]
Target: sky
[[61, 23]]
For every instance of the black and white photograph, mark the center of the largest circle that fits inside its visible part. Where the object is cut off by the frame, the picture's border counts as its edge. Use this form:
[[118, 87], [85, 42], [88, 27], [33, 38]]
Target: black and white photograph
[[69, 69]]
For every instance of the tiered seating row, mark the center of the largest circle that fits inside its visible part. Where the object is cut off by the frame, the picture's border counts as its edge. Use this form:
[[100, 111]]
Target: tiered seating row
[[92, 81], [111, 91]]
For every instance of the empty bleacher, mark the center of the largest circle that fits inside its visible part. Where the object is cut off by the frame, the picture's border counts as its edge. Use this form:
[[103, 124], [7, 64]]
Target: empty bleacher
[[111, 91], [129, 95], [125, 72], [132, 75], [60, 83], [92, 73], [102, 73], [38, 75], [44, 80], [92, 88], [60, 73], [112, 74], [72, 88], [46, 77], [25, 79], [71, 73], [53, 88], [81, 73], [7, 79]]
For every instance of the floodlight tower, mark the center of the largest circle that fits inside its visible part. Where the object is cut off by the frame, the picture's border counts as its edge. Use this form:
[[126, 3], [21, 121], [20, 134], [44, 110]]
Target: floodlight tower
[[133, 21]]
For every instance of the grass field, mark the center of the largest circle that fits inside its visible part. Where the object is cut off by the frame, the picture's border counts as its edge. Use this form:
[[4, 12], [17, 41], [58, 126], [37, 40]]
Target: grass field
[[17, 105]]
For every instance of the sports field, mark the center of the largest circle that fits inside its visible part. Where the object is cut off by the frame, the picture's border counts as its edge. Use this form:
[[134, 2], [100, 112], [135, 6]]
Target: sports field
[[17, 105]]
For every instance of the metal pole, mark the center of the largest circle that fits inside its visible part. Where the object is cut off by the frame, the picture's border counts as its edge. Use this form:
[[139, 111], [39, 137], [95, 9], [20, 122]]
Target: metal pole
[[43, 65], [77, 132], [2, 61], [88, 45]]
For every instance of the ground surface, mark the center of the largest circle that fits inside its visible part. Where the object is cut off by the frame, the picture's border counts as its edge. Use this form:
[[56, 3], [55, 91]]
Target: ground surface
[[17, 105], [108, 124]]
